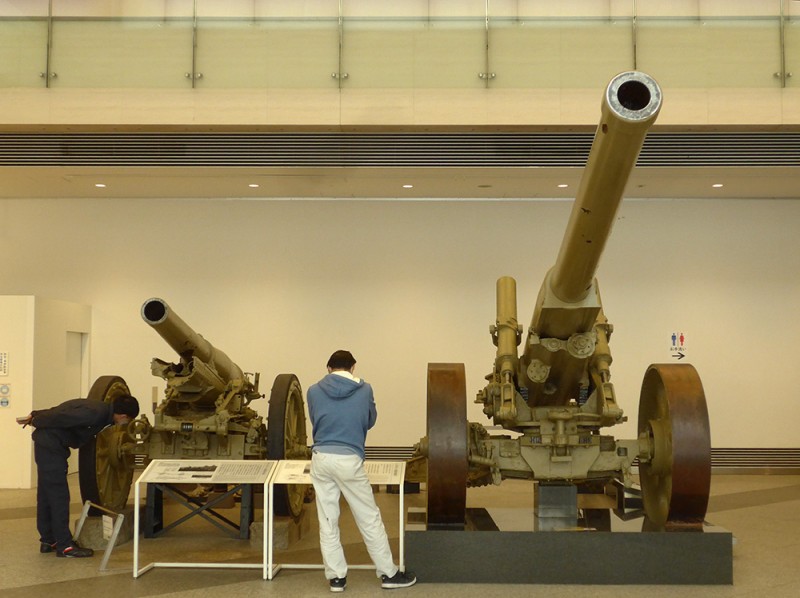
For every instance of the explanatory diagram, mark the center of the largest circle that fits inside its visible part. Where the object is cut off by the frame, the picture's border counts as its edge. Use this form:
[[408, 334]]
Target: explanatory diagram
[[678, 347]]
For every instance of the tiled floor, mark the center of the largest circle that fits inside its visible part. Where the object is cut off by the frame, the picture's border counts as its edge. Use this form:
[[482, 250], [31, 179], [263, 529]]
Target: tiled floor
[[763, 512]]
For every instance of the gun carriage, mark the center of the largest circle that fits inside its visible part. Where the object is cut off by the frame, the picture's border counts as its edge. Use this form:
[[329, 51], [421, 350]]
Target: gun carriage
[[205, 414], [557, 396]]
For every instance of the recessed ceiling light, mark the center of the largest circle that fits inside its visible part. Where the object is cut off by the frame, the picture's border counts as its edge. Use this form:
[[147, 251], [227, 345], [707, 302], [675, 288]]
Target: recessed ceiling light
[[100, 185], [408, 186], [563, 186], [253, 185], [717, 185]]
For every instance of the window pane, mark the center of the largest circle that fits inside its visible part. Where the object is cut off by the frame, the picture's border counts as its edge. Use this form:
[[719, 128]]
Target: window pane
[[121, 53]]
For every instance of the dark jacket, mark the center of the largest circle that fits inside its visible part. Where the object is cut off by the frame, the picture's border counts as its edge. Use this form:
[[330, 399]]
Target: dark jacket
[[73, 423]]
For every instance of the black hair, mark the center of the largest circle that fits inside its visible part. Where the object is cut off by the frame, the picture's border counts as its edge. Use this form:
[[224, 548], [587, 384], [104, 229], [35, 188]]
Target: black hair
[[341, 360], [127, 405]]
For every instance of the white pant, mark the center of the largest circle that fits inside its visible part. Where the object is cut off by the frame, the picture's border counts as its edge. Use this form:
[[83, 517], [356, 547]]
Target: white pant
[[336, 475]]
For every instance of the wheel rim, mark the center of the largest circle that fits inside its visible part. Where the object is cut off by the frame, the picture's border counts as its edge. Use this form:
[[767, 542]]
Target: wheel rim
[[106, 473], [287, 439], [114, 469], [447, 446], [673, 417]]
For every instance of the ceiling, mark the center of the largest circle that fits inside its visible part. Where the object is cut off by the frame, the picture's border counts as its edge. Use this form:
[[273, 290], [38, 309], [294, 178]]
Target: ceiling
[[388, 165], [383, 182]]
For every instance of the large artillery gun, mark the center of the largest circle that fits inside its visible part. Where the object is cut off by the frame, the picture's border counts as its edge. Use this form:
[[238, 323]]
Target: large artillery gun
[[205, 414], [557, 396]]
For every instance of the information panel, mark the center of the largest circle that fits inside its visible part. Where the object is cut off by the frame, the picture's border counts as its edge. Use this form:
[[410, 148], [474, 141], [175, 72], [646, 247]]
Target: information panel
[[207, 472], [164, 471], [378, 472], [299, 472]]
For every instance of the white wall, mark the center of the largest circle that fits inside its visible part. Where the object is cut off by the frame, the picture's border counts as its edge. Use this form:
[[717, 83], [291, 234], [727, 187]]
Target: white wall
[[16, 339], [45, 368], [278, 285], [55, 371]]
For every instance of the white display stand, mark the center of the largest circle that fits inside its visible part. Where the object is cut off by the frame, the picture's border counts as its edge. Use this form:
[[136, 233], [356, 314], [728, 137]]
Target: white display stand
[[186, 471], [299, 472]]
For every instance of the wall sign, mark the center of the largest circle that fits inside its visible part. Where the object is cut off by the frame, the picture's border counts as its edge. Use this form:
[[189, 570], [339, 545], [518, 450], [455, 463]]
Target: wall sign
[[678, 345]]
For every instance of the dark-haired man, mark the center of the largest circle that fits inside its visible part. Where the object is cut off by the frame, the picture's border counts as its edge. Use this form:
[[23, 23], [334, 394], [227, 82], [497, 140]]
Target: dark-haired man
[[69, 425], [342, 409]]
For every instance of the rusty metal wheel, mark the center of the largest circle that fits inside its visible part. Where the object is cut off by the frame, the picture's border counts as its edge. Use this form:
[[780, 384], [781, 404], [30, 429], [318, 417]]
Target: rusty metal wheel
[[105, 472], [673, 425], [447, 446], [286, 439]]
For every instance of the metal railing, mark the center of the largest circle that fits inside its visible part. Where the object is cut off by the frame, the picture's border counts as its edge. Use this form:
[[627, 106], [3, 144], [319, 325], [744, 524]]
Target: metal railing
[[346, 45]]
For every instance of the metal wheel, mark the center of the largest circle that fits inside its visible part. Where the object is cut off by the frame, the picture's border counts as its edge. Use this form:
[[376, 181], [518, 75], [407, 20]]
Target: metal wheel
[[286, 439], [105, 472], [673, 421], [447, 446]]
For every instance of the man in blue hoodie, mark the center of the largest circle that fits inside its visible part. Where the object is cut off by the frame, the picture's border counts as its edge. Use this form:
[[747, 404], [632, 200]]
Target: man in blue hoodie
[[342, 409]]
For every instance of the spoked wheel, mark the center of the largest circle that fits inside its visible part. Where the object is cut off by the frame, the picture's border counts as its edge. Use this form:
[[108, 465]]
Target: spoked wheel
[[673, 423], [447, 446], [286, 439], [105, 472]]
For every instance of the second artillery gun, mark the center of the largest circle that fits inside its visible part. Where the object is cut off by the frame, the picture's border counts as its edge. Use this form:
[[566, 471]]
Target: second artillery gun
[[557, 396], [205, 414]]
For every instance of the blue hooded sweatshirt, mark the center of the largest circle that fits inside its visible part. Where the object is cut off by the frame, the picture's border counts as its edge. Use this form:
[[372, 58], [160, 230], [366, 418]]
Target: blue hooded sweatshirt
[[341, 412]]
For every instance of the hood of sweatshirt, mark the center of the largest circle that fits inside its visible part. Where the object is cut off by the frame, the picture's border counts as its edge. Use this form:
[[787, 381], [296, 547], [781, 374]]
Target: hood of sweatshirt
[[339, 387]]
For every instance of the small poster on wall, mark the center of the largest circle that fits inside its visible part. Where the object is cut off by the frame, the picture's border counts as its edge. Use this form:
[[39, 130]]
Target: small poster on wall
[[3, 363]]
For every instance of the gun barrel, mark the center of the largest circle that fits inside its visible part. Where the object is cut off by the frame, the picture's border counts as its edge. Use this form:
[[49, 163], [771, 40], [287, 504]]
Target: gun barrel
[[185, 341], [630, 106]]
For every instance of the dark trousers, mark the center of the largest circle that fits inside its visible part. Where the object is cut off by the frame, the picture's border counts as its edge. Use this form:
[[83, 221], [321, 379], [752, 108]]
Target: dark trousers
[[52, 493]]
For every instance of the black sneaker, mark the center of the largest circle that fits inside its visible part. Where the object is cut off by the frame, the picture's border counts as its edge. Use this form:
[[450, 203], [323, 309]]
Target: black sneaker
[[74, 552], [338, 584], [45, 547], [399, 580]]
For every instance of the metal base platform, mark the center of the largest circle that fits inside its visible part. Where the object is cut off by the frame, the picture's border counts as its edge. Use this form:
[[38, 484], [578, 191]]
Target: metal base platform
[[571, 557]]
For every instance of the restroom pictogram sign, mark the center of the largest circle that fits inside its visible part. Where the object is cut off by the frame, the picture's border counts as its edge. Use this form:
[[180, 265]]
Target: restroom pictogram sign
[[678, 345]]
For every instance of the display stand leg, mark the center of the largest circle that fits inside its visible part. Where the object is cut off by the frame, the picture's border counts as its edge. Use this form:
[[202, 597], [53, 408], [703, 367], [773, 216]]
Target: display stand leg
[[154, 511], [246, 514]]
